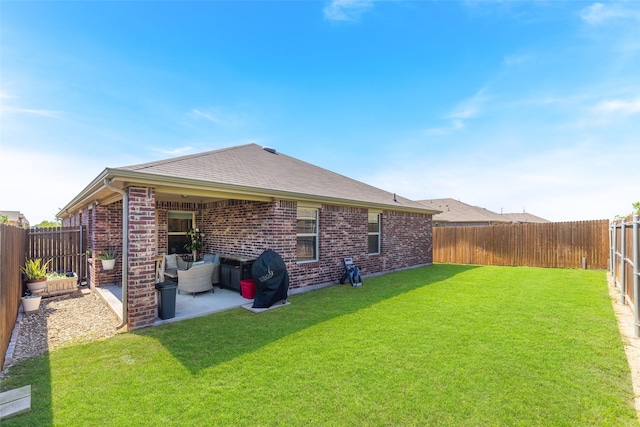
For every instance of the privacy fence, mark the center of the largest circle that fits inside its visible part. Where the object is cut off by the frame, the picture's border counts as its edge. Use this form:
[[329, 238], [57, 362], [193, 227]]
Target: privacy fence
[[12, 249], [625, 263], [581, 244], [64, 247]]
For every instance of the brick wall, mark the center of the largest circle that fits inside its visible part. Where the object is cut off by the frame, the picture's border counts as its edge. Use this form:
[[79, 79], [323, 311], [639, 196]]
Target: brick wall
[[141, 253], [248, 228]]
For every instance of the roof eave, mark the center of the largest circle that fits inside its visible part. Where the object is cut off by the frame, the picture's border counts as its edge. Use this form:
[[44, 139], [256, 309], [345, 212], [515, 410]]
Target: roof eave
[[88, 195]]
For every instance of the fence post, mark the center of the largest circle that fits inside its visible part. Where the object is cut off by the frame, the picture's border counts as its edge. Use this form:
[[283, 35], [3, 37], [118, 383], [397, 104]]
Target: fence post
[[623, 272], [615, 256], [612, 232], [636, 279]]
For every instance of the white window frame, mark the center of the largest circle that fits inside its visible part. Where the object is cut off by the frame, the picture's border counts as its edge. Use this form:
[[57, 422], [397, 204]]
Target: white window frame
[[179, 233], [374, 233], [315, 234]]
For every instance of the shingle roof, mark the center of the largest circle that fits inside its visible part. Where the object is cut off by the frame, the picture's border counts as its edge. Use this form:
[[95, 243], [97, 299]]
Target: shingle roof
[[524, 217], [457, 211], [251, 166]]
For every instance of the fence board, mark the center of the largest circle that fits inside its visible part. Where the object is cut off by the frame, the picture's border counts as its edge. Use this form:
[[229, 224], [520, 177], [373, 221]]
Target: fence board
[[12, 247], [625, 263], [64, 246], [557, 244]]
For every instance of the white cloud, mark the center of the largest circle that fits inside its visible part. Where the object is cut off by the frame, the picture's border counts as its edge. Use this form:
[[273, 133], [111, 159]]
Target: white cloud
[[465, 110], [346, 10], [180, 151], [599, 13], [30, 111], [517, 59], [215, 115], [619, 106]]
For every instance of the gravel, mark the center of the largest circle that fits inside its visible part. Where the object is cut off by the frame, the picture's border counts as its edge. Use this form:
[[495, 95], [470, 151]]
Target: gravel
[[61, 321]]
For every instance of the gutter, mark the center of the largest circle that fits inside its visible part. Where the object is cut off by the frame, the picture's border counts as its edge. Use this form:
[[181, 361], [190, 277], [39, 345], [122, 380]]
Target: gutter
[[125, 252]]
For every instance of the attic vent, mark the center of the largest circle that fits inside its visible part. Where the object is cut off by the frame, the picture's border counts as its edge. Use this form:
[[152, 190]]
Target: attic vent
[[269, 150]]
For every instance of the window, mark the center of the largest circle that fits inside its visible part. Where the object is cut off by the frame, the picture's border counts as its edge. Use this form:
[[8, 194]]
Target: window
[[374, 233], [307, 230], [178, 225]]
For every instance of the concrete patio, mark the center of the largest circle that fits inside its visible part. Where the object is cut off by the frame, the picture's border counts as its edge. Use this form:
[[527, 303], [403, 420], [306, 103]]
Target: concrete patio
[[187, 306]]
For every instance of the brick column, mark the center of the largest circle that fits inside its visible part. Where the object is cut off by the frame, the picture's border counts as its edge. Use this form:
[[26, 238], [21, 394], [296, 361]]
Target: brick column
[[142, 250]]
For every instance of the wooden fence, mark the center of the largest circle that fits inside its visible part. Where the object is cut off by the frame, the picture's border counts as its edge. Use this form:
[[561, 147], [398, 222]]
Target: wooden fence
[[625, 263], [581, 244], [64, 246], [12, 248]]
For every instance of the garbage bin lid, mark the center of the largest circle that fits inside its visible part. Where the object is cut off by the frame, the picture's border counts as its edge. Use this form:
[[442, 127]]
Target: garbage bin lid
[[166, 285]]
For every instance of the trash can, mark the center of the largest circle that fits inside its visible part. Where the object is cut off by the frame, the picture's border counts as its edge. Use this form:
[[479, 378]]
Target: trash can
[[248, 288], [167, 299]]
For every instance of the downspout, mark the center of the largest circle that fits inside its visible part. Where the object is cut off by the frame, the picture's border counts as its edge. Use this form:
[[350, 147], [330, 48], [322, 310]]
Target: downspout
[[125, 251]]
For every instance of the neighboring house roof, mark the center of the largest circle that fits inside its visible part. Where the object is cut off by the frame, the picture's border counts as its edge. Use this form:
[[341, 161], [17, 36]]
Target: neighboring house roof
[[16, 218], [247, 172], [455, 211], [524, 218]]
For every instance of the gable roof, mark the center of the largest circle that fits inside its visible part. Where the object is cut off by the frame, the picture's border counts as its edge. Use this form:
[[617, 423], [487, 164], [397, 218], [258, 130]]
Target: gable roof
[[457, 211], [243, 172], [524, 217]]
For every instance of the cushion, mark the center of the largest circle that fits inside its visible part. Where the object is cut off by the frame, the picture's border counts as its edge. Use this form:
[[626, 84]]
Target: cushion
[[216, 259], [197, 263], [208, 258], [171, 262]]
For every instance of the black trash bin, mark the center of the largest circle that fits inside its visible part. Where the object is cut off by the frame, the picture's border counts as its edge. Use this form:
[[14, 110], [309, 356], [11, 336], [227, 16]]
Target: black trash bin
[[167, 299]]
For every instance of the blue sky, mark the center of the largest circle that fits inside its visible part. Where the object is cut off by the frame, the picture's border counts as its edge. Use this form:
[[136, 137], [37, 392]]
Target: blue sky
[[509, 105]]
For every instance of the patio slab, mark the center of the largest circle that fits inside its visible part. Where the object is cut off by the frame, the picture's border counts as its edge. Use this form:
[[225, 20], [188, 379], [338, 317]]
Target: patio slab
[[187, 306]]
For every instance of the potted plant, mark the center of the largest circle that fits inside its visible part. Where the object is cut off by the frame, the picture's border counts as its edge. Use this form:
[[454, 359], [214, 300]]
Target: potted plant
[[108, 258], [195, 242], [61, 283], [31, 303], [36, 274]]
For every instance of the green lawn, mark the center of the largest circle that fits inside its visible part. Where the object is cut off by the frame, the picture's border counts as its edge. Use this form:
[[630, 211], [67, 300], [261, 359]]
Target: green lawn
[[441, 345]]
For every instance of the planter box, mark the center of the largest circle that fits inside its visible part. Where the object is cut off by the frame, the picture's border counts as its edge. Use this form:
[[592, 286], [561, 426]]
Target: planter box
[[62, 286]]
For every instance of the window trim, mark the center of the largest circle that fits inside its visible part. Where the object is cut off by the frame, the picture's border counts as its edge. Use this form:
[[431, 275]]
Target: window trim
[[179, 233], [378, 233], [316, 234]]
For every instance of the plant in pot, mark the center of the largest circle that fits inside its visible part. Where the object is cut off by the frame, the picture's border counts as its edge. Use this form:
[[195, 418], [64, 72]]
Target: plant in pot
[[61, 283], [36, 274], [31, 302], [195, 242], [108, 258]]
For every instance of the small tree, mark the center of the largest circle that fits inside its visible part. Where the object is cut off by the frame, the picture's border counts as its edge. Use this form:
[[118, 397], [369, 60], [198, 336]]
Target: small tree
[[49, 224], [636, 211]]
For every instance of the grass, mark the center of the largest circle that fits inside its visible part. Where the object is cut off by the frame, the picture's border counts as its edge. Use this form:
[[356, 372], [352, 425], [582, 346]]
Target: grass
[[440, 345]]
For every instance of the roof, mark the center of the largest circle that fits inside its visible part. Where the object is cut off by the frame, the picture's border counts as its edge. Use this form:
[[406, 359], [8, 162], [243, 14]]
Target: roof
[[455, 211], [524, 217], [248, 172]]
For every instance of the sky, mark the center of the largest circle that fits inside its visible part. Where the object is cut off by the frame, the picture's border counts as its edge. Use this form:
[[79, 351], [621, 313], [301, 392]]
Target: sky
[[514, 106]]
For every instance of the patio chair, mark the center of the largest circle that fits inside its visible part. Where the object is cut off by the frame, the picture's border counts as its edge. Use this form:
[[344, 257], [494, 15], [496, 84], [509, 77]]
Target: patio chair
[[196, 279], [173, 263]]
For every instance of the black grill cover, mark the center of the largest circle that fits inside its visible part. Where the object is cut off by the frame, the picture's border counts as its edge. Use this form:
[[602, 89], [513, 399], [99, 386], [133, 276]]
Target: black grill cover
[[272, 280]]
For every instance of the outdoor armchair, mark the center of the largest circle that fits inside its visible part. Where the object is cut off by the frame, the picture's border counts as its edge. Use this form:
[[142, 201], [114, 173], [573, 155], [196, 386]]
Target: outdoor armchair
[[196, 279]]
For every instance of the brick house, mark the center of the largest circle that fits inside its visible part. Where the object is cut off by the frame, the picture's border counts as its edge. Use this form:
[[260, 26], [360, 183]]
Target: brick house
[[244, 200]]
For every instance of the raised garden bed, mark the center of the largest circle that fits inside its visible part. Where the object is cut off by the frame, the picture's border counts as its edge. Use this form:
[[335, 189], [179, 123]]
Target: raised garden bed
[[61, 286]]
